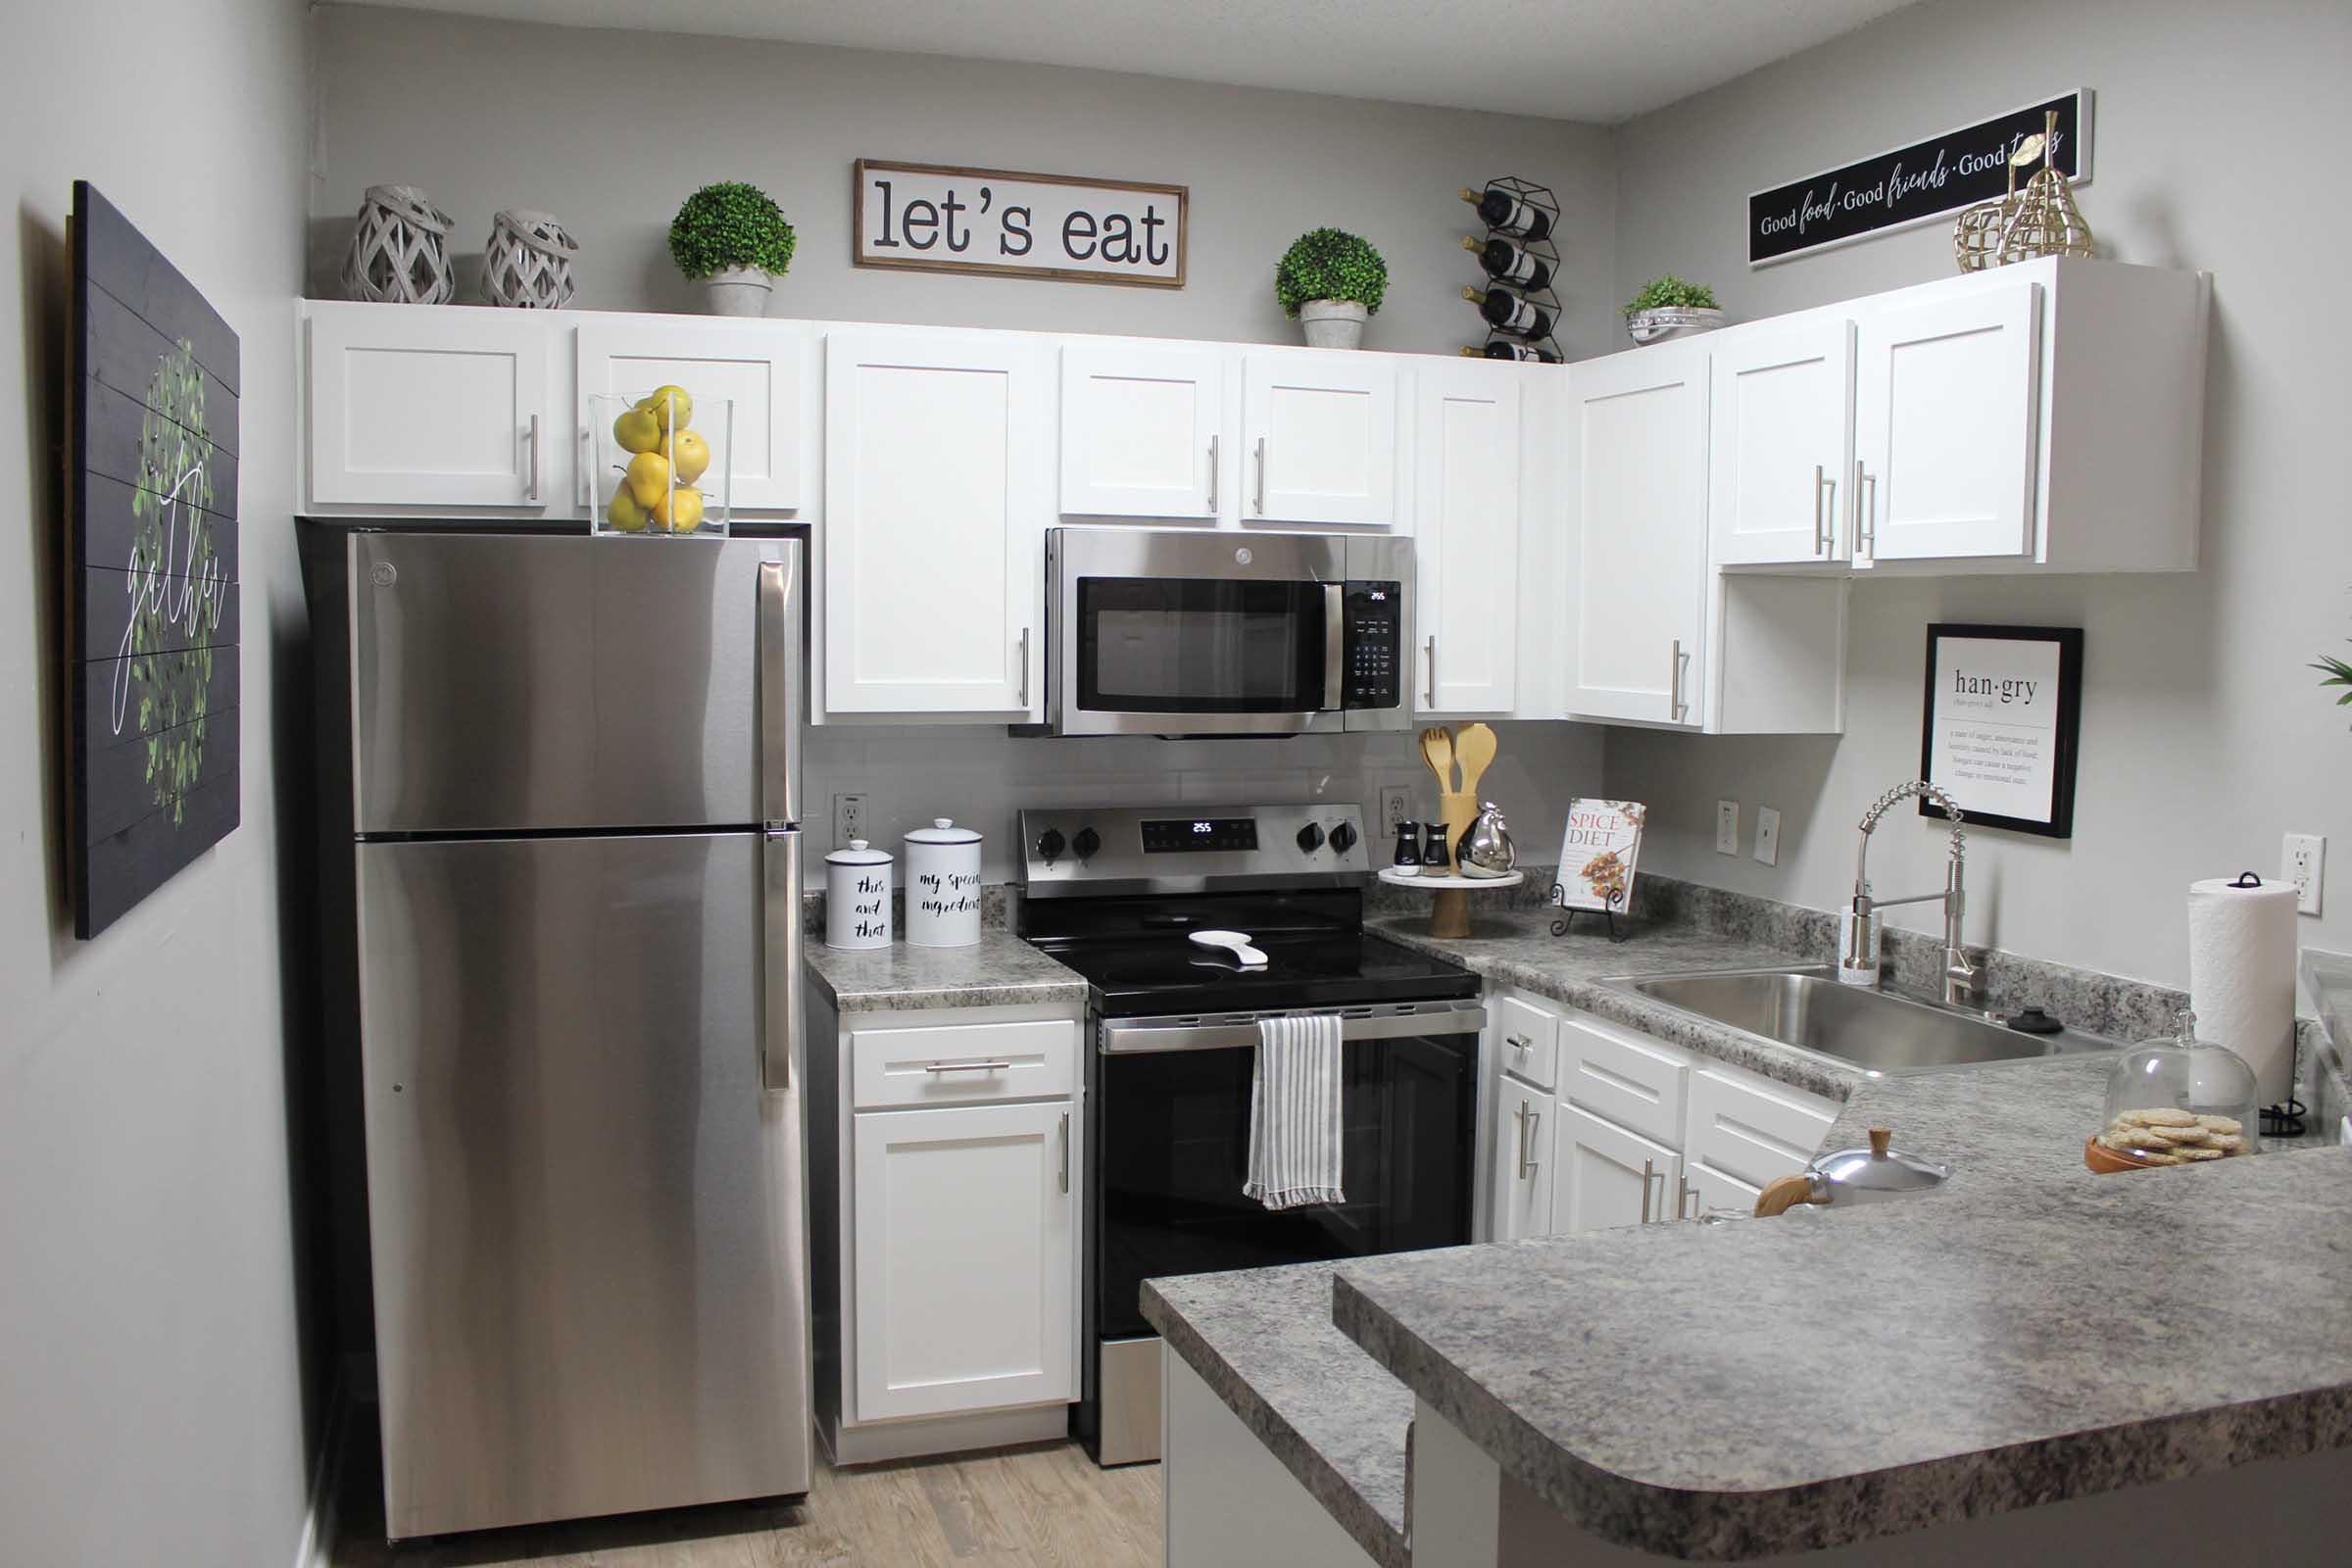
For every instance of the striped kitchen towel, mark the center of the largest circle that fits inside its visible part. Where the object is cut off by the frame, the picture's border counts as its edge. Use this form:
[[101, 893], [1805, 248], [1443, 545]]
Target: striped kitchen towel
[[1295, 1113]]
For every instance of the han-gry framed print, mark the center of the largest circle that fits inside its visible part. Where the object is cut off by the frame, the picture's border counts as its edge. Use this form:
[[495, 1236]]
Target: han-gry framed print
[[2003, 724]]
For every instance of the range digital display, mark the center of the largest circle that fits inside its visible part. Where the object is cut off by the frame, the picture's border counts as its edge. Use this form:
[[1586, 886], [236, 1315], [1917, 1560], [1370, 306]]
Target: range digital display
[[1183, 835]]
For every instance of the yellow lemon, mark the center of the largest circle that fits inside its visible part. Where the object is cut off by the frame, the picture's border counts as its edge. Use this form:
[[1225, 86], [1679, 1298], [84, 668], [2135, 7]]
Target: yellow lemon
[[679, 510], [623, 511], [649, 477], [688, 452], [670, 405], [637, 430]]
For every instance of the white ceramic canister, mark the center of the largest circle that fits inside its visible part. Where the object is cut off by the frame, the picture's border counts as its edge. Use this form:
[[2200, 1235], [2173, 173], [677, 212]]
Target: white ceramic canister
[[857, 897], [942, 886]]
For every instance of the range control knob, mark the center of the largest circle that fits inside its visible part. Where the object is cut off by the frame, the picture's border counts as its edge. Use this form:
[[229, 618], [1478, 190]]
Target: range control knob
[[1310, 838], [1086, 844], [1051, 844], [1342, 838]]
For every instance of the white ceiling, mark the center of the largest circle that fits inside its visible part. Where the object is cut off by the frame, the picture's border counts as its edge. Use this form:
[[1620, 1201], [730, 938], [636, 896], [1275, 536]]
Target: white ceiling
[[1591, 60]]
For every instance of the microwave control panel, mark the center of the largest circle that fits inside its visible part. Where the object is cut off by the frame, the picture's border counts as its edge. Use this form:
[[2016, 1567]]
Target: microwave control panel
[[1375, 612]]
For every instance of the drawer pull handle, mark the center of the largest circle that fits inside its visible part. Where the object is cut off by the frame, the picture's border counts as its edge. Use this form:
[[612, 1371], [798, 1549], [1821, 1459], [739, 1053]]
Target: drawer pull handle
[[968, 1066], [1517, 1041], [1065, 1151]]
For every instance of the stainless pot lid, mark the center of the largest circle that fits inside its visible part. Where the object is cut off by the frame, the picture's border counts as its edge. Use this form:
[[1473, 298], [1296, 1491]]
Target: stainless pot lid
[[1877, 1170]]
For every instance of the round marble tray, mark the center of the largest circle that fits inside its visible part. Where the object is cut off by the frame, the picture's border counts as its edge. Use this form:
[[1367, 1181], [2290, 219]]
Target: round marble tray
[[1450, 883]]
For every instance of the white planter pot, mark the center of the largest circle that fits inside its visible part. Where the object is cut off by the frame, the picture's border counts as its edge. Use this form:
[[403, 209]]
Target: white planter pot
[[857, 897], [1333, 323], [942, 886], [739, 291]]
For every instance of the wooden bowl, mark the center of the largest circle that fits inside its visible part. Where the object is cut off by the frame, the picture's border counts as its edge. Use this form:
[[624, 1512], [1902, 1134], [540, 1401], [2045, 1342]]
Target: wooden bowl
[[2099, 1158]]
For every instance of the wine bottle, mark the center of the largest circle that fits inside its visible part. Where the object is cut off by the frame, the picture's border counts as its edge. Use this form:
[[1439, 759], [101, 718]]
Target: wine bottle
[[1506, 214], [1506, 263], [1506, 311], [1497, 349]]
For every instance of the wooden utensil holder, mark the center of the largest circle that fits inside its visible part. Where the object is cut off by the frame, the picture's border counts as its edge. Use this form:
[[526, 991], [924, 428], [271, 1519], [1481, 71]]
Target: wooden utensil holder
[[1449, 910]]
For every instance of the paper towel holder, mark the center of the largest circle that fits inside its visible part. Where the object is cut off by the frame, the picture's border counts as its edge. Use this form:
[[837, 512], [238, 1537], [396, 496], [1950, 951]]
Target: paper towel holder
[[2246, 879], [2285, 1120]]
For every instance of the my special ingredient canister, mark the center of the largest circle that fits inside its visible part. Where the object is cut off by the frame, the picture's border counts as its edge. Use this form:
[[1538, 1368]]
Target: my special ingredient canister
[[942, 886], [857, 897]]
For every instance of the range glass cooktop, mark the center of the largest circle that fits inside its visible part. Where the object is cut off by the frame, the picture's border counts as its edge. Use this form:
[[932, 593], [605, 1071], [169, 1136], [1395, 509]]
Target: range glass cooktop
[[1142, 976]]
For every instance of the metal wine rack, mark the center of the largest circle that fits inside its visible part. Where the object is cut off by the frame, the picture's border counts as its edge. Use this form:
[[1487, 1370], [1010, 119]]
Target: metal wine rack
[[1546, 249]]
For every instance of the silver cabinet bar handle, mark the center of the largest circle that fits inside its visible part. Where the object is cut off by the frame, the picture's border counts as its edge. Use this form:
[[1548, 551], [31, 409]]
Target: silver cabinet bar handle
[[1676, 708], [1260, 510], [1527, 1166], [1866, 521], [1517, 1041], [1647, 1171], [1685, 1191], [1820, 546], [533, 495], [1429, 649], [1065, 1151], [1024, 702], [968, 1066], [1213, 475], [1828, 514]]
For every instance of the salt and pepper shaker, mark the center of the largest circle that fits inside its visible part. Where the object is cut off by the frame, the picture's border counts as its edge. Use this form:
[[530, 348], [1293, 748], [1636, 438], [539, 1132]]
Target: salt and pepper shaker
[[1408, 849], [1437, 852]]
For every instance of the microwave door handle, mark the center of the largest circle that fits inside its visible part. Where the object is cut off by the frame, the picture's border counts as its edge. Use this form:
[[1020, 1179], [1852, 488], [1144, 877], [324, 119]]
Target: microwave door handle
[[1335, 646]]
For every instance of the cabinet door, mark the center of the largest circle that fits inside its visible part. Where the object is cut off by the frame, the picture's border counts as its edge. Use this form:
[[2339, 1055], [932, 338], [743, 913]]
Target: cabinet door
[[967, 1284], [1522, 1178], [1640, 451], [1466, 538], [1319, 437], [1604, 1176], [1711, 1189], [415, 405], [1140, 432], [1752, 1130], [933, 497], [1781, 442], [754, 364], [1946, 397]]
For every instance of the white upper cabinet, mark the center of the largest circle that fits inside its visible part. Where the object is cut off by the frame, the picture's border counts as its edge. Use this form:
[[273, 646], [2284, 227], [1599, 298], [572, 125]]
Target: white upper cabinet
[[1639, 578], [936, 448], [1944, 426], [1780, 447], [412, 407], [1141, 434], [755, 365], [1466, 538], [1319, 437]]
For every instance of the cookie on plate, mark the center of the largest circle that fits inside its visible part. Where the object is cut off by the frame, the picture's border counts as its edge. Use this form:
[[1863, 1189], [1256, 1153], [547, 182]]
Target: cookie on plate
[[2157, 1116], [2228, 1125], [2193, 1153]]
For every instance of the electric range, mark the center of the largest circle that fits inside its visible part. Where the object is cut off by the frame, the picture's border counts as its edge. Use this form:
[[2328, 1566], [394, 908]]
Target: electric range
[[1117, 894]]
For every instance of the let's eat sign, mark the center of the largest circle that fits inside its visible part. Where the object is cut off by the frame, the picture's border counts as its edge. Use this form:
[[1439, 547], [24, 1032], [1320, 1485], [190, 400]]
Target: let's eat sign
[[934, 219]]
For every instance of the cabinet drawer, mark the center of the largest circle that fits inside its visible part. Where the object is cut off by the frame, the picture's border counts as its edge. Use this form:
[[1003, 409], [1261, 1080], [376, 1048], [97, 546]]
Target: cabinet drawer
[[969, 1062], [1527, 1042], [1751, 1130], [1623, 1077]]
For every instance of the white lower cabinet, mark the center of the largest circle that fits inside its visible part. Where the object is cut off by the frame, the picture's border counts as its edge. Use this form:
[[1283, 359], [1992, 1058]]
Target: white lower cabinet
[[1604, 1176], [964, 1241], [1750, 1130], [1522, 1181]]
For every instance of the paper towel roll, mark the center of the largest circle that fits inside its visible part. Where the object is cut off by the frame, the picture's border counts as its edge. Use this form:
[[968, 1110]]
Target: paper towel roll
[[2241, 977]]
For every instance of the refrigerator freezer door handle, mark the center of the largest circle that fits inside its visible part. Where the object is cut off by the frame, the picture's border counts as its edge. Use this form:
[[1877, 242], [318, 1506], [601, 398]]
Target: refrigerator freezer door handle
[[780, 955], [778, 639]]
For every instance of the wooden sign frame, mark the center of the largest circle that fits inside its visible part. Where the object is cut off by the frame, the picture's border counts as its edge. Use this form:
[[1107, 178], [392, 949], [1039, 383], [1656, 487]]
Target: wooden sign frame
[[858, 257]]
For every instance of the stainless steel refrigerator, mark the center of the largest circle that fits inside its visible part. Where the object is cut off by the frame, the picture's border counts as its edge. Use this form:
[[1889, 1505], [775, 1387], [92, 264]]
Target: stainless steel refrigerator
[[575, 802]]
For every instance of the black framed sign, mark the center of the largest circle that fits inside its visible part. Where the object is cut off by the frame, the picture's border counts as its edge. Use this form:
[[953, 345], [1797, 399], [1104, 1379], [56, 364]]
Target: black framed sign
[[2003, 722], [1932, 177], [151, 569]]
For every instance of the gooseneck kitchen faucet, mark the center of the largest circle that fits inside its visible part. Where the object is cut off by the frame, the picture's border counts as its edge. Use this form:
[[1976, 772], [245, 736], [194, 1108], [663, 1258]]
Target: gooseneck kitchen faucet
[[1860, 928]]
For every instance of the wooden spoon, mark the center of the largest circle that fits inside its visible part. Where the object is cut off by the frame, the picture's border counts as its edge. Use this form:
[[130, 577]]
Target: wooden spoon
[[1474, 748], [1436, 750]]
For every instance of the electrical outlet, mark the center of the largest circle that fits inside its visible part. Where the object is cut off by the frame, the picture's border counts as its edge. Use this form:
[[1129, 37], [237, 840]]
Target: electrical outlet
[[849, 820], [2303, 861], [1727, 827], [1768, 835], [1395, 805]]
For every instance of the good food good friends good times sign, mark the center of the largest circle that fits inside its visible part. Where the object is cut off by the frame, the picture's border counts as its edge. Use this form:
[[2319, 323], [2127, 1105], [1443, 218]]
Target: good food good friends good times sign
[[935, 219]]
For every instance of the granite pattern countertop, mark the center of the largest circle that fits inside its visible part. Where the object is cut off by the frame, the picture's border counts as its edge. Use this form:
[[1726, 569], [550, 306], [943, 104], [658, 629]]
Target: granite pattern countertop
[[1001, 971], [2022, 1344], [1264, 1341]]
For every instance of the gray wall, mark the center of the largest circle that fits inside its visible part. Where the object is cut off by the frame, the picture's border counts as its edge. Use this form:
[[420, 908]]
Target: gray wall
[[151, 1408], [2203, 735], [609, 131]]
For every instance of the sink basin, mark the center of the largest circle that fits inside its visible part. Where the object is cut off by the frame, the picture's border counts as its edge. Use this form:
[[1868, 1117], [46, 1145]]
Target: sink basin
[[1869, 1029]]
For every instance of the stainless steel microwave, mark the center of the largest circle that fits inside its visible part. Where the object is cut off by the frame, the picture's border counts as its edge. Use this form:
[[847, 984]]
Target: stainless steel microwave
[[1157, 631]]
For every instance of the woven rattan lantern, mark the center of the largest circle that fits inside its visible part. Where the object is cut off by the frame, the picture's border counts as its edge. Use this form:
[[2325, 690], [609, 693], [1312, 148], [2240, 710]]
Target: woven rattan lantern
[[399, 248], [2046, 221], [528, 261]]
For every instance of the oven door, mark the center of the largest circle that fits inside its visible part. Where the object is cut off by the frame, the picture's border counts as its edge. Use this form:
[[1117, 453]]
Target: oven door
[[1158, 633], [1170, 1132]]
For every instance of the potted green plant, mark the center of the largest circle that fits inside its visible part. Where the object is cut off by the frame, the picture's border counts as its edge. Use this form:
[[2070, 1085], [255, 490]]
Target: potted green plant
[[732, 238], [1669, 307], [1330, 281]]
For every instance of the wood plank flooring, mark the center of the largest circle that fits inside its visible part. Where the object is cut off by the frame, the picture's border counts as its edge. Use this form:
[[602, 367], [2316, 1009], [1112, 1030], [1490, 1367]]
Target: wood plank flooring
[[1046, 1506]]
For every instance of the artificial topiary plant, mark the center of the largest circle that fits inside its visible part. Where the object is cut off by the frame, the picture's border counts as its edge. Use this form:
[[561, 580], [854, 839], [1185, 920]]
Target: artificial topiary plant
[[729, 224], [1667, 292], [1330, 264]]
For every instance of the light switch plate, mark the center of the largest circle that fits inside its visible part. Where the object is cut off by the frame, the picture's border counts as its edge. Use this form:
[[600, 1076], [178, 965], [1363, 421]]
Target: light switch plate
[[1768, 835], [849, 820], [1727, 827], [2303, 861]]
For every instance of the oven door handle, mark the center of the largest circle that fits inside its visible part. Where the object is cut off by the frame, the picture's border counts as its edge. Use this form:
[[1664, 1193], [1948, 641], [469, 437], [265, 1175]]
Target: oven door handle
[[1335, 646], [1137, 1037]]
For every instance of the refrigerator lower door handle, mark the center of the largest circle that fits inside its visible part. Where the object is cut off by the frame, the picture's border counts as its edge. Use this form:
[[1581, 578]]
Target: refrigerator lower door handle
[[780, 954]]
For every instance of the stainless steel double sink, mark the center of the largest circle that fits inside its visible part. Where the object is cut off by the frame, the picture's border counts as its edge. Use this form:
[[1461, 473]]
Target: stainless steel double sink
[[1804, 1007]]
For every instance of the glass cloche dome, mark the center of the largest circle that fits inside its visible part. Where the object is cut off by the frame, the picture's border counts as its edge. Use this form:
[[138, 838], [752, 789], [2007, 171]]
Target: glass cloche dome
[[2181, 1100]]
